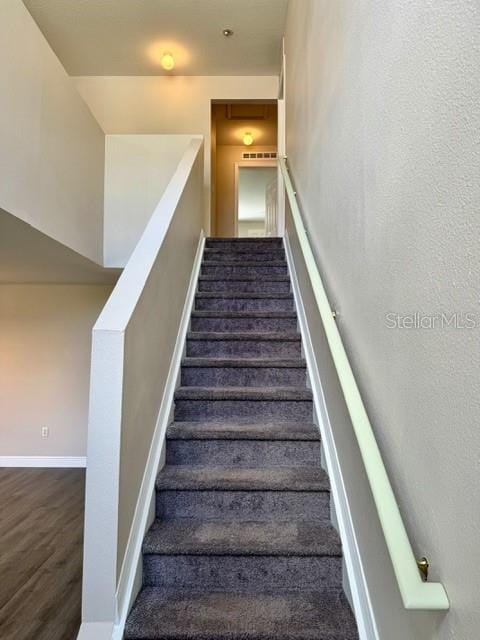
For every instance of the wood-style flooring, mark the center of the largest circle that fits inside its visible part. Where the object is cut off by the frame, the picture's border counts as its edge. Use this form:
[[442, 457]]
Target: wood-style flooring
[[41, 539]]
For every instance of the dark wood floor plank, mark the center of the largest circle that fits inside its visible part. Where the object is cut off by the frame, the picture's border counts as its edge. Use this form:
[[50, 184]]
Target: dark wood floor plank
[[41, 546]]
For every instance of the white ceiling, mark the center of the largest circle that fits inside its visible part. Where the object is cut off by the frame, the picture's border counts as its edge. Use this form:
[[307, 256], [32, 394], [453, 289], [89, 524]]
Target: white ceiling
[[127, 37]]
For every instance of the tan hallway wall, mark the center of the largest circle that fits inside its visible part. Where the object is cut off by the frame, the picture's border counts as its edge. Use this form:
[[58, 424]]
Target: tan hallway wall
[[383, 121], [227, 156]]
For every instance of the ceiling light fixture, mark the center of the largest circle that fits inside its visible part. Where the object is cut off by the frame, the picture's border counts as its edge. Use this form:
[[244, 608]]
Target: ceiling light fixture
[[247, 139], [168, 62], [227, 32]]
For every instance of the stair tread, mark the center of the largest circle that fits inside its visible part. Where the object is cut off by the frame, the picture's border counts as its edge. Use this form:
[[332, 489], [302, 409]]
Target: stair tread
[[246, 263], [183, 615], [203, 478], [237, 240], [243, 393], [241, 249], [227, 278], [242, 430], [187, 537], [233, 295], [243, 314], [234, 362], [282, 336]]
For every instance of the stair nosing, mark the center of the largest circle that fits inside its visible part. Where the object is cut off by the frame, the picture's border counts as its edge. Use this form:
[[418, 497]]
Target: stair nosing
[[245, 548], [269, 336], [202, 313], [243, 295], [252, 394], [194, 483], [278, 249], [259, 263], [238, 433], [226, 278], [239, 363]]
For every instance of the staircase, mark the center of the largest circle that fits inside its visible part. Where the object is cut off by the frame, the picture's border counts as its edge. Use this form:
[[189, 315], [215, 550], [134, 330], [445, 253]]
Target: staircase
[[242, 546]]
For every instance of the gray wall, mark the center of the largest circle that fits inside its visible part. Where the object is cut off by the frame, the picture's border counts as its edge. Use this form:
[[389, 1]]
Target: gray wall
[[137, 170], [45, 340], [383, 120], [52, 149]]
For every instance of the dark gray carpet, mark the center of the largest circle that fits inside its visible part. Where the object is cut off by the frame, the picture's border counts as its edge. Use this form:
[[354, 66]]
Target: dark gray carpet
[[242, 547], [308, 615]]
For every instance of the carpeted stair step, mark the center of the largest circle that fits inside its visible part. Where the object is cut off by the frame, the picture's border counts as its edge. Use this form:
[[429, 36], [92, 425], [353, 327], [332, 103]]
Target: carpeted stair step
[[244, 344], [226, 301], [242, 573], [238, 494], [243, 244], [246, 430], [238, 321], [280, 284], [243, 453], [227, 255], [242, 547], [249, 269], [216, 403], [229, 505], [203, 478], [174, 614], [235, 556], [244, 372], [180, 537]]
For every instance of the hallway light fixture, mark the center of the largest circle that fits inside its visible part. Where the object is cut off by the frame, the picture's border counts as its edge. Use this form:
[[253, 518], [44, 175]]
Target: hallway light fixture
[[227, 32], [247, 138], [167, 61]]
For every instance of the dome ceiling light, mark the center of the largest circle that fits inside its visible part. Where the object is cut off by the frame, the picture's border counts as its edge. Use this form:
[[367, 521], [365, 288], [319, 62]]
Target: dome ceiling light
[[168, 61], [247, 138], [227, 32]]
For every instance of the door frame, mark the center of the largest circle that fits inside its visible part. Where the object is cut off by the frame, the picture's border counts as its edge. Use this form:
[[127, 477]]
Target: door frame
[[281, 142], [252, 164]]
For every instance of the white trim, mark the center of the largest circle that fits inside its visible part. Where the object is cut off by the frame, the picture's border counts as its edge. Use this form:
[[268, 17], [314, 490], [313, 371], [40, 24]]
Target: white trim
[[95, 631], [281, 144], [361, 601], [44, 461], [141, 521]]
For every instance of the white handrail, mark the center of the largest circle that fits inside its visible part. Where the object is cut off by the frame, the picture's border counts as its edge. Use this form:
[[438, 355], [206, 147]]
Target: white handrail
[[416, 594]]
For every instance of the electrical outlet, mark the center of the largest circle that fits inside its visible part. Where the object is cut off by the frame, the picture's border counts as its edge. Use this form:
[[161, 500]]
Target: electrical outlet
[[45, 432]]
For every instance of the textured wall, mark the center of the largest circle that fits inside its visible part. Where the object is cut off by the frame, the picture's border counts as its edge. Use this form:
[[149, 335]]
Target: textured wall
[[137, 170], [383, 121], [51, 148], [45, 337]]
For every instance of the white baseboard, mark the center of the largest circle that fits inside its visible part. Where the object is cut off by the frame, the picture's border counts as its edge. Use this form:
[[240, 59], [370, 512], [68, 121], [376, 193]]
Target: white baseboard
[[95, 631], [44, 461], [133, 553], [360, 596]]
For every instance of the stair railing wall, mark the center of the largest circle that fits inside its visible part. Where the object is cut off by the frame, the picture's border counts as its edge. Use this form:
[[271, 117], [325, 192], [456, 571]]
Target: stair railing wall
[[133, 344], [415, 593]]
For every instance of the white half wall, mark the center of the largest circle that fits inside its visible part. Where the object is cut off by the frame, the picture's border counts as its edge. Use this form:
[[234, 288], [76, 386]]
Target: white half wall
[[383, 121], [45, 346], [169, 105], [51, 147], [137, 170]]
